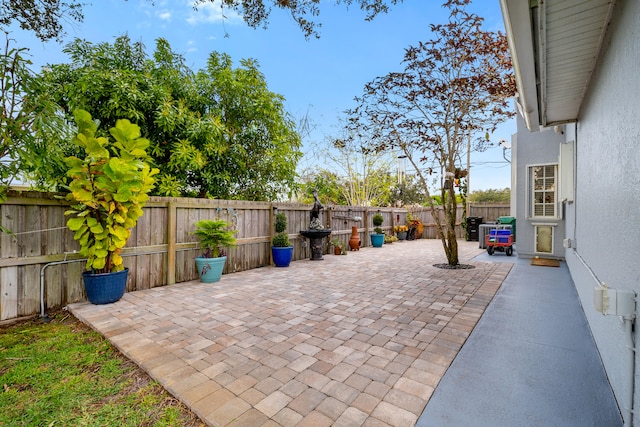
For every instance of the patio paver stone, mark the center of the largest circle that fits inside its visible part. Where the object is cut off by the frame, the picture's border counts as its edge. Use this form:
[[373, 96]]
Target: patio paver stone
[[361, 339]]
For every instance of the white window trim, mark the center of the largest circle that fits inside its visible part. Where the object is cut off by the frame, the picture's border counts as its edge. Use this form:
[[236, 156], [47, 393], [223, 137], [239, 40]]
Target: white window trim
[[529, 197]]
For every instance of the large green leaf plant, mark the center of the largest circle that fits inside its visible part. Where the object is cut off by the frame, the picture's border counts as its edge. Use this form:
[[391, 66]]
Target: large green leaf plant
[[108, 189]]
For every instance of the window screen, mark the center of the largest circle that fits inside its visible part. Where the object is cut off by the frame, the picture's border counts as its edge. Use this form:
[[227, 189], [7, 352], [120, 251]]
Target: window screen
[[543, 182]]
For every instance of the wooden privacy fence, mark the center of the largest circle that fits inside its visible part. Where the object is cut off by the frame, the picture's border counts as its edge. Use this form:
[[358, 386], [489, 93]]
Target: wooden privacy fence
[[40, 269], [489, 212]]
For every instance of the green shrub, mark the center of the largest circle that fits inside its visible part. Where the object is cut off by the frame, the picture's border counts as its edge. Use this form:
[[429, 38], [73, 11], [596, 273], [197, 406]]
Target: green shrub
[[281, 223], [378, 219], [281, 240]]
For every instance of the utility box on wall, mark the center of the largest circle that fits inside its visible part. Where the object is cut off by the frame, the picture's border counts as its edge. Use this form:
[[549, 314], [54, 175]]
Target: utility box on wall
[[617, 302]]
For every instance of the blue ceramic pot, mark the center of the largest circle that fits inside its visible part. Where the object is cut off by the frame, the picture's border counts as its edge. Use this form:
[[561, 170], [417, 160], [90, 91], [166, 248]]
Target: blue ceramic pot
[[377, 240], [282, 255], [105, 288]]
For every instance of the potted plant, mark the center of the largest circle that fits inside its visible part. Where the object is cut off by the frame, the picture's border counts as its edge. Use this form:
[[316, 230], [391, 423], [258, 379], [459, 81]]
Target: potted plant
[[338, 247], [401, 231], [281, 249], [415, 229], [377, 237], [214, 234], [388, 238], [108, 189]]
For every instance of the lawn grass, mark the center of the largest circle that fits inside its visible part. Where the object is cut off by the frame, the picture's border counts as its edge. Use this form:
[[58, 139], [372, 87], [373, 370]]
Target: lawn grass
[[62, 373]]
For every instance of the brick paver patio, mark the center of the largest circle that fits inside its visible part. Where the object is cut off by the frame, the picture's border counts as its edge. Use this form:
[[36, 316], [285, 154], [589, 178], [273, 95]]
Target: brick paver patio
[[356, 340]]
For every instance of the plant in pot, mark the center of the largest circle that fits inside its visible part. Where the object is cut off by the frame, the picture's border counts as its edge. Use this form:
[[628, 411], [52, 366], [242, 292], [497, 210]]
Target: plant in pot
[[213, 234], [388, 239], [377, 237], [401, 231], [107, 191], [281, 249], [338, 247]]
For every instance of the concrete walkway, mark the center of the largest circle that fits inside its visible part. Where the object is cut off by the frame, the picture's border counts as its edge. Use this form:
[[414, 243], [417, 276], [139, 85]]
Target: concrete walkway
[[362, 339], [530, 361]]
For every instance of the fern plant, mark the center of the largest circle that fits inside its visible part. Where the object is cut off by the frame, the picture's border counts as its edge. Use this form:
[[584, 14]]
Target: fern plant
[[214, 235]]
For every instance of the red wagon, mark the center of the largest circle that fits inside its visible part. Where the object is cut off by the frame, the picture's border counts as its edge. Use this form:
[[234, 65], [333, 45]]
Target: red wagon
[[499, 239]]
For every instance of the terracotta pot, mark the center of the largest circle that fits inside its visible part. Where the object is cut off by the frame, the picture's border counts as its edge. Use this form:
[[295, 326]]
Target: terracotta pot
[[354, 240]]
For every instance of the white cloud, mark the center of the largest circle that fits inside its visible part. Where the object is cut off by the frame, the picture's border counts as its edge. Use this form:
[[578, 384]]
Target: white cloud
[[165, 15], [211, 12]]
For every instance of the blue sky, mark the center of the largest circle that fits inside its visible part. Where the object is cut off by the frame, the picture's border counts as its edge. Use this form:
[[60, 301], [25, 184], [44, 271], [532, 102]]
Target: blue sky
[[316, 76]]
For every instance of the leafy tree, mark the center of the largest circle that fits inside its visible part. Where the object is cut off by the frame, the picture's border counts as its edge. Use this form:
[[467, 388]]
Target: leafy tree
[[328, 185], [408, 192], [453, 91], [15, 120], [256, 12], [43, 17], [218, 132], [261, 138], [491, 196], [361, 175], [28, 118]]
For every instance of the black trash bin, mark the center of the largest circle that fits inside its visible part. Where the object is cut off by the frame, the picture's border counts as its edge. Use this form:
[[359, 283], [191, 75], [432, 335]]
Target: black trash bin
[[473, 228]]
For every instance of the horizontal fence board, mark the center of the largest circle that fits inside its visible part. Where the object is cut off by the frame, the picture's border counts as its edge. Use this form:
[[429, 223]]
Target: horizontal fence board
[[161, 248]]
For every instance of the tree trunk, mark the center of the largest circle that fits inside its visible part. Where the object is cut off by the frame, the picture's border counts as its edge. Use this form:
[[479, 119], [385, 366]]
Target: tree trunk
[[450, 211]]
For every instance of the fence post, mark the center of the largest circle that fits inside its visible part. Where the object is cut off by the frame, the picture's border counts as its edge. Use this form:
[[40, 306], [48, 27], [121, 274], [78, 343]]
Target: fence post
[[366, 228], [272, 231], [171, 243]]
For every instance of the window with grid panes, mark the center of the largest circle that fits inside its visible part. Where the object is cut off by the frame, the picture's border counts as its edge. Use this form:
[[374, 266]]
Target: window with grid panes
[[543, 190]]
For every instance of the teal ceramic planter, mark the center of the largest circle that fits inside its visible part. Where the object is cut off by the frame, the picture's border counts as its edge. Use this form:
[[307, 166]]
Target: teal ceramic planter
[[377, 240], [210, 269]]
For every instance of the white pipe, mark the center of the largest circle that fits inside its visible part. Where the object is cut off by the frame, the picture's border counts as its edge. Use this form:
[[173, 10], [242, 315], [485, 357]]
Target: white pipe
[[42, 313], [631, 360], [628, 404]]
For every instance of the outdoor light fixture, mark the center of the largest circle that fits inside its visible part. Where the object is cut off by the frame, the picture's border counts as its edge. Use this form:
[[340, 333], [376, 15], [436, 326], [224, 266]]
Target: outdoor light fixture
[[275, 210]]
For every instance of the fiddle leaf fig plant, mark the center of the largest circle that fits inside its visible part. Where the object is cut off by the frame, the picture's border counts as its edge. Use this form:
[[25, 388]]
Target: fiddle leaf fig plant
[[108, 189]]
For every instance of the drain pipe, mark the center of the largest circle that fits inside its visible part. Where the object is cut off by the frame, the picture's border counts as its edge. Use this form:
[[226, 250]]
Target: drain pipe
[[628, 330]]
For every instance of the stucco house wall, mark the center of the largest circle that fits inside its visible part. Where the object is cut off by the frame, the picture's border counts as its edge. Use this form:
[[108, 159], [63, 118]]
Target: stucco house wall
[[529, 149], [604, 221]]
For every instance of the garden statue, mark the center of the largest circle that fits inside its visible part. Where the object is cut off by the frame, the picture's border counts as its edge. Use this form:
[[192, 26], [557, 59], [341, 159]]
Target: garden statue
[[315, 223], [316, 232]]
